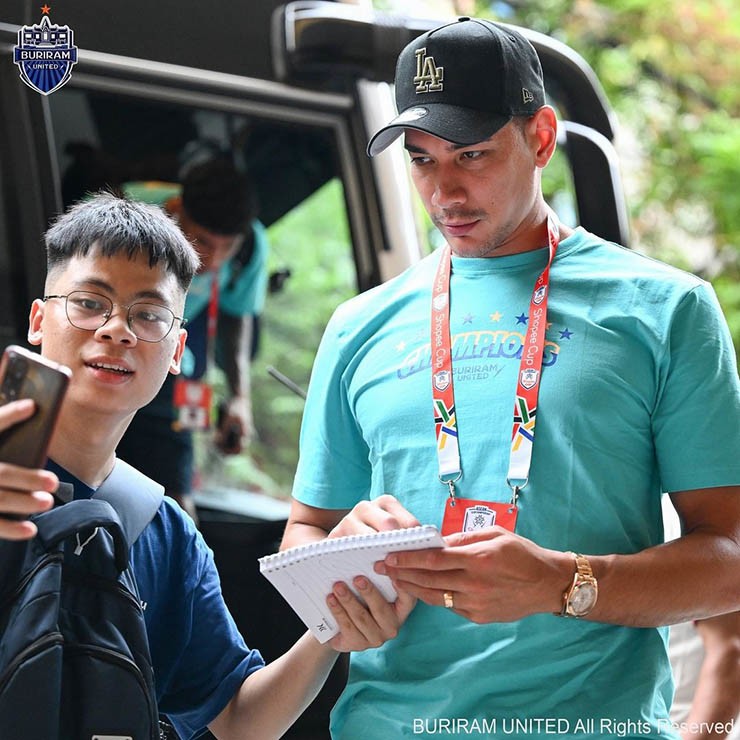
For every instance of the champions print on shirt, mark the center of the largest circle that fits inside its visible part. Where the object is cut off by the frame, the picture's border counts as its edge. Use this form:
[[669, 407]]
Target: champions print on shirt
[[480, 353], [486, 349]]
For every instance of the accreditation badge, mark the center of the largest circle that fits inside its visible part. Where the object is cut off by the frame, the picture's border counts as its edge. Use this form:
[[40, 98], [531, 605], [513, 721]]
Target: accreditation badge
[[192, 400], [470, 515]]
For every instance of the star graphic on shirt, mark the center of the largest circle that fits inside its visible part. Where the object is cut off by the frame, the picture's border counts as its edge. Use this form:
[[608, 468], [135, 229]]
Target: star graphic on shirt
[[566, 333], [522, 318], [45, 9], [468, 318], [496, 316], [401, 346]]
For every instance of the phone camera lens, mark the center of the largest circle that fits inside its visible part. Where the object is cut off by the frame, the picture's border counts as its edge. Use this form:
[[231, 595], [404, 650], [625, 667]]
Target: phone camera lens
[[16, 372], [19, 369]]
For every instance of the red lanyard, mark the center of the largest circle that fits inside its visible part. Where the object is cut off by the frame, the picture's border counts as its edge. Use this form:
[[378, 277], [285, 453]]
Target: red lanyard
[[213, 306], [212, 319], [528, 385]]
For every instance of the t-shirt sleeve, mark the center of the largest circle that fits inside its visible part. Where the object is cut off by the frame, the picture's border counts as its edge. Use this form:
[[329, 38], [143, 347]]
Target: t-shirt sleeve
[[696, 425], [200, 658], [334, 468], [245, 293], [213, 665]]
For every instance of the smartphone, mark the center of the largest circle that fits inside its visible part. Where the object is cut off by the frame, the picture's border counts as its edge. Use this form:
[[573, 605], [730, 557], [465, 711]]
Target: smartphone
[[25, 374]]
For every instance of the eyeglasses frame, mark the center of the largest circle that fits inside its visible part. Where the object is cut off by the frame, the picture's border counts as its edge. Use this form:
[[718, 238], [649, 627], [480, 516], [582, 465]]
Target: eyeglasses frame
[[128, 308]]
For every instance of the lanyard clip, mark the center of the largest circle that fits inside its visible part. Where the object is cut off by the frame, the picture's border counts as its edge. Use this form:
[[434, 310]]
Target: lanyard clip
[[516, 490], [451, 485]]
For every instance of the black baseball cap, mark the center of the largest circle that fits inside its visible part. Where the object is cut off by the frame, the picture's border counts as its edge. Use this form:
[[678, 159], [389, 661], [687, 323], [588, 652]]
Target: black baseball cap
[[462, 82]]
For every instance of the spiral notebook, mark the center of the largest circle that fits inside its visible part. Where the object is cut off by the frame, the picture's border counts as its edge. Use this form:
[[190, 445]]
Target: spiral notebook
[[304, 575]]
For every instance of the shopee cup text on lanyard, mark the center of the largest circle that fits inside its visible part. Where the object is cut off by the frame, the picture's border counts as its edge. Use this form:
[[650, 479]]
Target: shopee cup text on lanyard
[[462, 515]]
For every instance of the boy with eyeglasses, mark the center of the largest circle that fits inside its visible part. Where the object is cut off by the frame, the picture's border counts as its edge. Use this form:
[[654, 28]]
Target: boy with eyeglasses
[[117, 276]]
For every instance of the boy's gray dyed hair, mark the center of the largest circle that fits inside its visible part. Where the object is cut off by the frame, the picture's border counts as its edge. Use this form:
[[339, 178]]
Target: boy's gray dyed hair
[[117, 225]]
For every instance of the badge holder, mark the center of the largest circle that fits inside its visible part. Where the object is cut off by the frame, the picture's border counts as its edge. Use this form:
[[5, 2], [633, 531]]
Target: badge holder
[[470, 515], [192, 400]]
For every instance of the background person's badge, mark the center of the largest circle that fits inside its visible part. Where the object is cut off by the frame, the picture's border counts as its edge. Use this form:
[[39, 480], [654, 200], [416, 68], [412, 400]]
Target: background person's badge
[[45, 55], [192, 400]]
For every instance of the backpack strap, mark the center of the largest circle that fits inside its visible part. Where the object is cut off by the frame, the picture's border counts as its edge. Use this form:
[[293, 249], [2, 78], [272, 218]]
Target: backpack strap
[[134, 496]]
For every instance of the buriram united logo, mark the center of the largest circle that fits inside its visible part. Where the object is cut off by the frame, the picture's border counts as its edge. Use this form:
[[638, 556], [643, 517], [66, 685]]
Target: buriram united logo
[[45, 54]]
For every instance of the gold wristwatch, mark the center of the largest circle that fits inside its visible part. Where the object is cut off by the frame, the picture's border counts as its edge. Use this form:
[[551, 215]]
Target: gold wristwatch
[[580, 597]]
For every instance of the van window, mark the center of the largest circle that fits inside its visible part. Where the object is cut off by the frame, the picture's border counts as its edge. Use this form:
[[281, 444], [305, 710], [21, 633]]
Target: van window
[[309, 251], [105, 139]]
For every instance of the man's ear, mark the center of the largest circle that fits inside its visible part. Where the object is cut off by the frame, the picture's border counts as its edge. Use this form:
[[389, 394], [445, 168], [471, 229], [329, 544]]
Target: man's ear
[[179, 349], [35, 317], [544, 127]]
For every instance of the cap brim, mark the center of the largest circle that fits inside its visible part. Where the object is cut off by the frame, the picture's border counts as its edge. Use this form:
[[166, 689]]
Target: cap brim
[[463, 126]]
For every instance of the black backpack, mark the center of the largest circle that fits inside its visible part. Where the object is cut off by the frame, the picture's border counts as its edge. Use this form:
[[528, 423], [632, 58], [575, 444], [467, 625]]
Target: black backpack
[[74, 655]]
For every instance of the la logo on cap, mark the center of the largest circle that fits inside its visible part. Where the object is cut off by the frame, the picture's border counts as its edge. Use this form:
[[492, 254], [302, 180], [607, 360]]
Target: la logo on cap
[[428, 75]]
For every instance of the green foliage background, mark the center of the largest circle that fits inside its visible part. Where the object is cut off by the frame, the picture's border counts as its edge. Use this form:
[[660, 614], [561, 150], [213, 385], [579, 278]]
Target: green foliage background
[[670, 69]]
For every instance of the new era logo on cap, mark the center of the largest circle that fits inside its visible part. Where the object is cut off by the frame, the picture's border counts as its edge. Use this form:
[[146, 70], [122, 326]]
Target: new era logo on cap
[[472, 76]]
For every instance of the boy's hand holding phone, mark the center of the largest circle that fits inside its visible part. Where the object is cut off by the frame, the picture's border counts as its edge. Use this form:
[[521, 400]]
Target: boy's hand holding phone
[[23, 491], [31, 393]]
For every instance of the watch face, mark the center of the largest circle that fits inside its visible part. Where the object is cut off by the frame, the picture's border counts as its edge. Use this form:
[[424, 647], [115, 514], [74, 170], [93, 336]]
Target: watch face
[[582, 599]]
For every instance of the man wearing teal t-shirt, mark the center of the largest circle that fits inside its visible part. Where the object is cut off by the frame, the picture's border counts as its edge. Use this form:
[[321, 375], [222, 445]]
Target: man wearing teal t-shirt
[[214, 207], [532, 390]]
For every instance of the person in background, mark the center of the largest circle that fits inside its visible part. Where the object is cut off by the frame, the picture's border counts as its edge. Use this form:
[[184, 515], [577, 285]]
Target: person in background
[[705, 657], [112, 312], [215, 208], [532, 390]]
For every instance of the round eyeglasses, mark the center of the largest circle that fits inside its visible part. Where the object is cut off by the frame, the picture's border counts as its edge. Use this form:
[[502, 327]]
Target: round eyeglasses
[[149, 322]]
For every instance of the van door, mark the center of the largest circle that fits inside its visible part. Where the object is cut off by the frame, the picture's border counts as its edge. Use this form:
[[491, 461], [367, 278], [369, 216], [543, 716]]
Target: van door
[[120, 120]]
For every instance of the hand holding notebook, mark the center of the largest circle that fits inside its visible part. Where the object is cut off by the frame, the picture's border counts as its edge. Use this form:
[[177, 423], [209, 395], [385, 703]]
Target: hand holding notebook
[[305, 575]]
